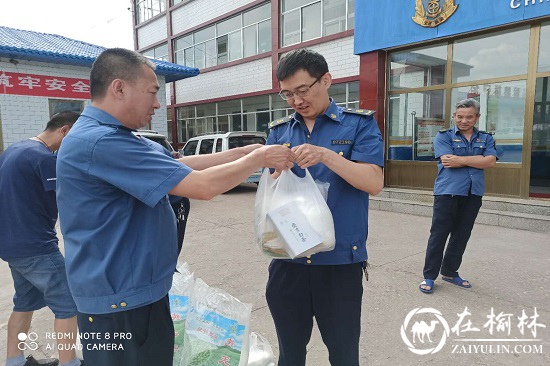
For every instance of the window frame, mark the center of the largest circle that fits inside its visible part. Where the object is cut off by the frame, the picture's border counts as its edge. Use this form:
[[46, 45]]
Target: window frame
[[300, 10], [223, 57]]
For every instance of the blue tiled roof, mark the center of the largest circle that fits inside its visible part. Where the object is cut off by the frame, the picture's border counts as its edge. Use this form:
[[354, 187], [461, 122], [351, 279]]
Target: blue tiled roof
[[44, 47]]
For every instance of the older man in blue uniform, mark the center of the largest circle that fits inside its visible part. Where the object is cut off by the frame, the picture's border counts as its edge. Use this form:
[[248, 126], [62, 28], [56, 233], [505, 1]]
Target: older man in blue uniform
[[344, 148], [117, 223], [463, 152]]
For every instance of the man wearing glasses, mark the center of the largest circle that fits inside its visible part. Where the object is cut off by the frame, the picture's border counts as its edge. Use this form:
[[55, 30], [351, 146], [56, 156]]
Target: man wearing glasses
[[343, 147]]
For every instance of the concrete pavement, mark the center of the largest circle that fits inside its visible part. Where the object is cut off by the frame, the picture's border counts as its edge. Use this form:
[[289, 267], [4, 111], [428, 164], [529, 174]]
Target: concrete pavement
[[508, 269]]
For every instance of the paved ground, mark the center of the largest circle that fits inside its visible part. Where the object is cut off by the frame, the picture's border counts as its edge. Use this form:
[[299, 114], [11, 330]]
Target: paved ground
[[509, 270]]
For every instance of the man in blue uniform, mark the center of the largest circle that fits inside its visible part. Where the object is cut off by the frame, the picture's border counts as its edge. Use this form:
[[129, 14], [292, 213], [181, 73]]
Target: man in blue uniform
[[117, 223], [28, 240], [463, 152], [344, 148]]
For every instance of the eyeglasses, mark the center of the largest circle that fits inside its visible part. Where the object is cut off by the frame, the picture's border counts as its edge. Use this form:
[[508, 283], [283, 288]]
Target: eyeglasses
[[301, 92]]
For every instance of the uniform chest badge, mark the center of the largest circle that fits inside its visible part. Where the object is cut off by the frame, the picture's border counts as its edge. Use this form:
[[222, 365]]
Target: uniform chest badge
[[457, 140]]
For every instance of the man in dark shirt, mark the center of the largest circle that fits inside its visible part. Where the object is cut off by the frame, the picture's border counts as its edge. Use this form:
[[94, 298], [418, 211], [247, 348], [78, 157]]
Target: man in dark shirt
[[28, 240]]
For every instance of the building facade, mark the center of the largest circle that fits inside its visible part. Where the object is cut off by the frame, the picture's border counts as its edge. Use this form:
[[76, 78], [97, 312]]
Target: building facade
[[410, 60], [432, 54], [236, 44]]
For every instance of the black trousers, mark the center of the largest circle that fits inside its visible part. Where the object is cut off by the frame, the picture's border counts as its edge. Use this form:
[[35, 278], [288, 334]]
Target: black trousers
[[146, 335], [332, 294], [454, 215]]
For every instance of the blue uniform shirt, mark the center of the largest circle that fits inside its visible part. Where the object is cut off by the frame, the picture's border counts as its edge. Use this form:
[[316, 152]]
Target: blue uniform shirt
[[459, 181], [118, 227], [28, 211], [357, 137]]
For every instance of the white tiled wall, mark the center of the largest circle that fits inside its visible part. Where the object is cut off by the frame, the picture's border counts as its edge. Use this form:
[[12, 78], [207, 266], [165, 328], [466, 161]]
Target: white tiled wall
[[244, 78], [340, 58], [152, 32]]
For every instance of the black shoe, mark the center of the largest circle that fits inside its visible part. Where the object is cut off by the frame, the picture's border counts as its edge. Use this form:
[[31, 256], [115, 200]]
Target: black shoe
[[31, 361]]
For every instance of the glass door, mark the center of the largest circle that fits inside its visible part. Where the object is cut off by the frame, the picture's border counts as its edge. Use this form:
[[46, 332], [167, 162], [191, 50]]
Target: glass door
[[540, 150]]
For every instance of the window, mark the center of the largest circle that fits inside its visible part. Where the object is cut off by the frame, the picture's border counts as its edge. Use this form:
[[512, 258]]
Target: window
[[244, 35], [206, 146], [190, 148], [158, 53], [303, 20], [169, 124], [414, 120], [345, 94], [479, 65], [185, 114], [63, 105], [249, 114], [146, 9], [420, 67], [544, 49], [502, 112], [485, 57]]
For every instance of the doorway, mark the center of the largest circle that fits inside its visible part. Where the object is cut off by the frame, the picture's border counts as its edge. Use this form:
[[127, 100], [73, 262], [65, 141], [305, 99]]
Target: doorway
[[540, 146]]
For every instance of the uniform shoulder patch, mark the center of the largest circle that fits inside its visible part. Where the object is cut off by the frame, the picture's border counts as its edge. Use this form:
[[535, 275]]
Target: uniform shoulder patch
[[445, 130], [488, 133], [279, 121], [362, 112]]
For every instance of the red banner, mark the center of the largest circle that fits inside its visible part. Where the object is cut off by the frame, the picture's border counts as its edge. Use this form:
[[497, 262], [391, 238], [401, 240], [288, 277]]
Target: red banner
[[43, 86]]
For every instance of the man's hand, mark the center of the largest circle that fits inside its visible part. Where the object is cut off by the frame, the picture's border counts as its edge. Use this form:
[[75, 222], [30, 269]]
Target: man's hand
[[308, 155], [452, 161], [249, 148], [276, 156]]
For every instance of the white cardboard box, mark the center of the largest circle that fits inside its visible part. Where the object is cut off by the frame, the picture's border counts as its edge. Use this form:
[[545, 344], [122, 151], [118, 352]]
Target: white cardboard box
[[293, 229]]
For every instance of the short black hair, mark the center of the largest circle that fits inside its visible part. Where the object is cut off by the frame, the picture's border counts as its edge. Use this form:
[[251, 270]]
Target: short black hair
[[58, 120], [302, 59], [116, 63]]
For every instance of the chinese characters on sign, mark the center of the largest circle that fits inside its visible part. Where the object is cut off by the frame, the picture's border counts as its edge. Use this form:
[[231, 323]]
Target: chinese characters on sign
[[43, 85], [501, 323]]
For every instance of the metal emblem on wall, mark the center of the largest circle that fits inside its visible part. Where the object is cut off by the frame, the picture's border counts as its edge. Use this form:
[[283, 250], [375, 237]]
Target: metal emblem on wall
[[434, 12]]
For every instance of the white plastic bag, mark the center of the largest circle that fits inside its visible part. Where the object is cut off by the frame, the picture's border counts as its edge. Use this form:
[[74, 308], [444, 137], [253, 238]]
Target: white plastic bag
[[182, 288], [305, 198], [260, 353], [217, 328]]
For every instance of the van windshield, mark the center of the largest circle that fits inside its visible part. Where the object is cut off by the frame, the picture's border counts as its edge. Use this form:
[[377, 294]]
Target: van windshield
[[240, 141]]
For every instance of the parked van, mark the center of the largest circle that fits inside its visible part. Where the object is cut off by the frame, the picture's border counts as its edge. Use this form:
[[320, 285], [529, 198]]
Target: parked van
[[218, 142]]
